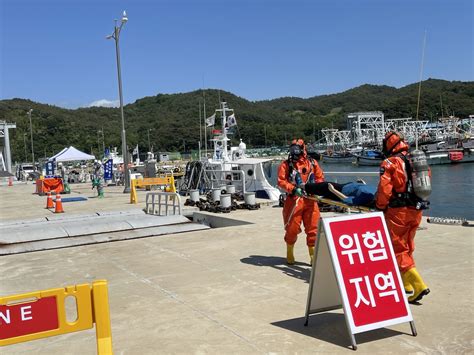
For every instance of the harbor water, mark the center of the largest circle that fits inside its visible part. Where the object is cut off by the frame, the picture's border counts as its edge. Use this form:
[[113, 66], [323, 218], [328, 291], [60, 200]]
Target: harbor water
[[453, 186]]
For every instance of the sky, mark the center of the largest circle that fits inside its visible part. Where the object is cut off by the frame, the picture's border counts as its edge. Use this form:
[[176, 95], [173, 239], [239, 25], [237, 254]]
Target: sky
[[56, 51]]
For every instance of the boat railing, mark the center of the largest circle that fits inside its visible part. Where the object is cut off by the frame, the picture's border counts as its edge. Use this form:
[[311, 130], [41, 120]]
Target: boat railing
[[225, 177], [163, 203]]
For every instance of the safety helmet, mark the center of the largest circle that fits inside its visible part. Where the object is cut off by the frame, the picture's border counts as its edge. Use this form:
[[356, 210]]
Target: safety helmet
[[393, 142], [297, 149]]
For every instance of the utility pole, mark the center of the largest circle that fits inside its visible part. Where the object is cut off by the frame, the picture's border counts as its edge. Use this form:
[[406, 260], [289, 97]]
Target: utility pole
[[31, 131], [24, 143], [116, 37]]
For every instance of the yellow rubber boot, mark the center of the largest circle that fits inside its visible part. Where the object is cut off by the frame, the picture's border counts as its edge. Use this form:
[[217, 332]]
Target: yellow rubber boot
[[290, 257], [409, 290], [419, 287], [311, 254]]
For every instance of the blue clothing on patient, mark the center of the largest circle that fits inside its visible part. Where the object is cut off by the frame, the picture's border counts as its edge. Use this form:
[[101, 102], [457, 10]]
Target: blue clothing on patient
[[358, 194]]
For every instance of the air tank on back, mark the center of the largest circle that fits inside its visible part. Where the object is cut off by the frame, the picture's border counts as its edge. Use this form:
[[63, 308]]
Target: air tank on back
[[420, 174]]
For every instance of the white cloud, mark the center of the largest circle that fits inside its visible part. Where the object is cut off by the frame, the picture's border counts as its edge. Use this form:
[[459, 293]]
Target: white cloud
[[104, 103]]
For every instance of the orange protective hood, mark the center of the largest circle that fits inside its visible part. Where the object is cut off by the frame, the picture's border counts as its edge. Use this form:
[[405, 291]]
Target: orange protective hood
[[393, 143]]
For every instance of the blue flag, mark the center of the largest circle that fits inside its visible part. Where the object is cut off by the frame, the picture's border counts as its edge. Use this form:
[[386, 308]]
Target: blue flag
[[50, 168], [108, 169]]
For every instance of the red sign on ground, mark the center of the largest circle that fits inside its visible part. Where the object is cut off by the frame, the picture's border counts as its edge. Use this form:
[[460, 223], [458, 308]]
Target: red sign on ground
[[367, 271], [28, 318]]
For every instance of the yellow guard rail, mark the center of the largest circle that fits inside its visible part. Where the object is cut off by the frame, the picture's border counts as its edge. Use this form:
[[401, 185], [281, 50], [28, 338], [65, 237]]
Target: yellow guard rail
[[166, 181]]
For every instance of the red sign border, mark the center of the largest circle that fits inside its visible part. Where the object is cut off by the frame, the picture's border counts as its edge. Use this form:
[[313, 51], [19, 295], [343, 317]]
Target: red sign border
[[337, 269]]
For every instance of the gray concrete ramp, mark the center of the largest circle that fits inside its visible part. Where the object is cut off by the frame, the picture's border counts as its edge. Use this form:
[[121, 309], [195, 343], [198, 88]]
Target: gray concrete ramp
[[88, 229]]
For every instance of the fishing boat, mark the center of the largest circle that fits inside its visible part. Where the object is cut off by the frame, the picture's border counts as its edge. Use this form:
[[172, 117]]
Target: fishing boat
[[337, 157], [449, 151], [369, 157]]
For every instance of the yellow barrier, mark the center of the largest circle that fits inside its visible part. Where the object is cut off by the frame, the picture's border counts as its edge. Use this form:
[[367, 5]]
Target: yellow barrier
[[166, 181], [42, 314]]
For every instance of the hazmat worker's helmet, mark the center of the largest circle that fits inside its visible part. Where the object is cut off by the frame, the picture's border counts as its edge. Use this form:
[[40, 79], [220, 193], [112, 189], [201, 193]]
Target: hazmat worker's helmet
[[297, 149], [393, 143]]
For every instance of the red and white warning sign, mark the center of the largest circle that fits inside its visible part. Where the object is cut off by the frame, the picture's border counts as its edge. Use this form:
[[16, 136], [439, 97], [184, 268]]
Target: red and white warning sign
[[28, 318], [356, 268]]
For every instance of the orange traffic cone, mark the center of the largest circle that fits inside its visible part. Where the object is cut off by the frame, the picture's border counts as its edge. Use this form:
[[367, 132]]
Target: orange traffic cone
[[59, 204], [10, 181], [49, 201]]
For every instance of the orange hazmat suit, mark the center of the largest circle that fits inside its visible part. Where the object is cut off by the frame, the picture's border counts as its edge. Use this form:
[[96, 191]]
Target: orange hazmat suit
[[402, 221], [298, 209]]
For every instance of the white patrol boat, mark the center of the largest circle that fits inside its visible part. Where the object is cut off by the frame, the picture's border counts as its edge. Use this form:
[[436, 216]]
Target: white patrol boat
[[230, 165]]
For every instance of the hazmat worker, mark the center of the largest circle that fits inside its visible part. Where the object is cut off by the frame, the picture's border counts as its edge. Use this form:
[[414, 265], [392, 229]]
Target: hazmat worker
[[293, 174], [98, 178], [402, 210]]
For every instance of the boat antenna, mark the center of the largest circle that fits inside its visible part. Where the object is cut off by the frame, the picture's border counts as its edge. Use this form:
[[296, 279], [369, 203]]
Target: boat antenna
[[419, 89]]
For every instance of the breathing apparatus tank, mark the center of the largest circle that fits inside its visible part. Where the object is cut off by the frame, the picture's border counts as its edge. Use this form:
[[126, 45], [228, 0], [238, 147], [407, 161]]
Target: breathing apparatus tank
[[420, 174]]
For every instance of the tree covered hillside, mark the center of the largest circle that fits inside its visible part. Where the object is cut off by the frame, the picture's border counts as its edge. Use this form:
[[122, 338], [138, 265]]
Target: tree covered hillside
[[172, 120]]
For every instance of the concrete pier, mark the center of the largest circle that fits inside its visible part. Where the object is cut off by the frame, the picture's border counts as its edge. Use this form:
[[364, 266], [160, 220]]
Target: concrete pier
[[229, 290]]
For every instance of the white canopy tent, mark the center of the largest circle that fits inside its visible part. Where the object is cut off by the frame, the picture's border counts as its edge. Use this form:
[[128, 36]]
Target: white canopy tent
[[71, 154]]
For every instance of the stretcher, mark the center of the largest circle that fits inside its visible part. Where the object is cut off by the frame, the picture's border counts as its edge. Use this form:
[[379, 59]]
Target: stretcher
[[339, 204]]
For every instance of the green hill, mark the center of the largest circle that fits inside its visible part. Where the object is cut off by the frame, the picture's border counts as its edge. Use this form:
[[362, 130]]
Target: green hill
[[173, 120]]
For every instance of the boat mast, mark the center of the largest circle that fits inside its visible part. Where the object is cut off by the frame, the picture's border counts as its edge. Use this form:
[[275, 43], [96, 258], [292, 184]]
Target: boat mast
[[224, 139], [204, 118]]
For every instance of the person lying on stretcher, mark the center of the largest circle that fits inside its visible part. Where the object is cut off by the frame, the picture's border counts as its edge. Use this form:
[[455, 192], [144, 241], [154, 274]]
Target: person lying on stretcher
[[352, 193]]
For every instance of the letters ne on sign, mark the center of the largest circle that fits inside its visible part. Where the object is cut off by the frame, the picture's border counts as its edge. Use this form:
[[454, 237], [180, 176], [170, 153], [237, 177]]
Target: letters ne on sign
[[25, 314]]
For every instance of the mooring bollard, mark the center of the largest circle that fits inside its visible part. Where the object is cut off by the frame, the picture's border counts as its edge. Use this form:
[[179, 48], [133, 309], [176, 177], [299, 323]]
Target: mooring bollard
[[230, 189], [225, 201], [249, 198], [194, 195], [216, 194]]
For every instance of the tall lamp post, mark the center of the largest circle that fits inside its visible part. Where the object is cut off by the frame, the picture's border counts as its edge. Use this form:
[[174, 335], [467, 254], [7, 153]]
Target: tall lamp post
[[31, 131], [116, 37], [24, 143]]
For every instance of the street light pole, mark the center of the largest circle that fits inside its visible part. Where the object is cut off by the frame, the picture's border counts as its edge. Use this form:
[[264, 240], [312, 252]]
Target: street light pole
[[116, 37], [24, 143], [31, 131]]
